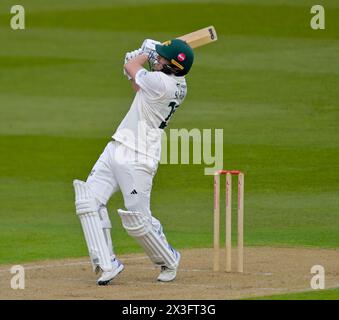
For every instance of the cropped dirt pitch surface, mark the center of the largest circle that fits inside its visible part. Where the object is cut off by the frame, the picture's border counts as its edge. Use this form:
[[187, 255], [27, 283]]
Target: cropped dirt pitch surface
[[267, 271]]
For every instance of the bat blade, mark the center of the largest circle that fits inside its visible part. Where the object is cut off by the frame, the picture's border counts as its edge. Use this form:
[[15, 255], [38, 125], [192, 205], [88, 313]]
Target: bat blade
[[200, 37]]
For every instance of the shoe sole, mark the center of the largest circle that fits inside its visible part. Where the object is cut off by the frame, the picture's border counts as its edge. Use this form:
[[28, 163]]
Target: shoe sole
[[106, 282]]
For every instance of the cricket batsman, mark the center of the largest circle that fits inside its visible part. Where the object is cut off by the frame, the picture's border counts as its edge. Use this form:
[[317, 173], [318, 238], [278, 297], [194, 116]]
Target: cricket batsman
[[130, 161]]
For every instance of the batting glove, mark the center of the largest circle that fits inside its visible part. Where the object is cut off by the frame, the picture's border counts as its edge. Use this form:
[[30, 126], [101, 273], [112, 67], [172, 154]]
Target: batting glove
[[129, 56], [148, 46]]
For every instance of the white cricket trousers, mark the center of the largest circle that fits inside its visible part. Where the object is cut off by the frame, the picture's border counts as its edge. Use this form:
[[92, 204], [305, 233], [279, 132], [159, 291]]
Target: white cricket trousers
[[121, 168]]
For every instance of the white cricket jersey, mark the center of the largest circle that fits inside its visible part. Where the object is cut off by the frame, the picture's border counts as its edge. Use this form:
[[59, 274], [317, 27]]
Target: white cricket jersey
[[154, 104]]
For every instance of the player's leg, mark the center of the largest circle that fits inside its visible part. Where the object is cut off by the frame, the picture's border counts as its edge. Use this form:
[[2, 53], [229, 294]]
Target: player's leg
[[135, 181], [91, 197], [102, 183]]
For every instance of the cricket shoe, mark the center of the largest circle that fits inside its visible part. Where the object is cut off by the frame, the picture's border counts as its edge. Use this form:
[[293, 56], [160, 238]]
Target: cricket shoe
[[168, 274], [107, 276]]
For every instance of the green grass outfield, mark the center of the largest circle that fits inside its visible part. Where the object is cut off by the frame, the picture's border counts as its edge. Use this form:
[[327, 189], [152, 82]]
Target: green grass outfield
[[330, 294], [270, 82]]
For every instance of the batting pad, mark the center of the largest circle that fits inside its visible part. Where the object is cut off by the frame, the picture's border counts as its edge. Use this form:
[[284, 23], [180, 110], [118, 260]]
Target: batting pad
[[87, 210], [139, 227]]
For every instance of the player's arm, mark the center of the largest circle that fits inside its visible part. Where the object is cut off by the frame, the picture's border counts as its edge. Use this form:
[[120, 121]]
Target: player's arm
[[133, 66]]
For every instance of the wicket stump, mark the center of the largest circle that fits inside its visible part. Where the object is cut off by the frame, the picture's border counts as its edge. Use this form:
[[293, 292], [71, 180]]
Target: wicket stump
[[228, 220]]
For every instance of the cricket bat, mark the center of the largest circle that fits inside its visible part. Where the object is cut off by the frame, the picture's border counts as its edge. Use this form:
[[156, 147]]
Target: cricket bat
[[200, 37]]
